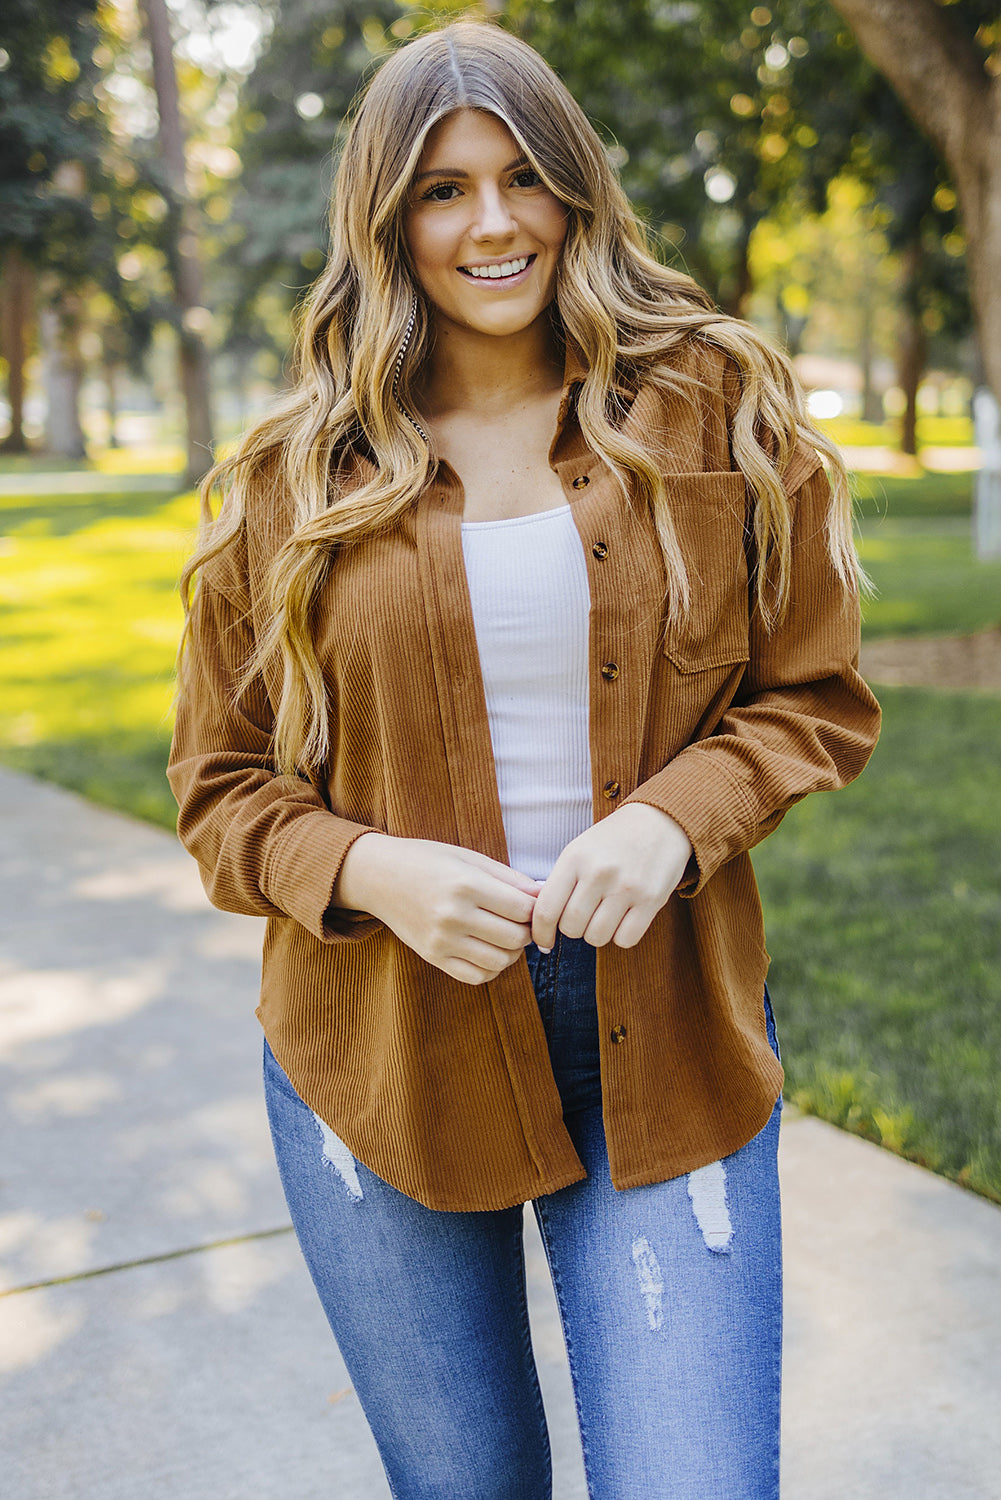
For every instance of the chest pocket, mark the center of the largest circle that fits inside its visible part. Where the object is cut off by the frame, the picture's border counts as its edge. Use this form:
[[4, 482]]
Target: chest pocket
[[708, 514]]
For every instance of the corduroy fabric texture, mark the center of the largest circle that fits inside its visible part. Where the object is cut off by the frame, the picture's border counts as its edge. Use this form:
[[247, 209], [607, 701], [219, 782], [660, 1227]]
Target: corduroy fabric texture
[[443, 1089]]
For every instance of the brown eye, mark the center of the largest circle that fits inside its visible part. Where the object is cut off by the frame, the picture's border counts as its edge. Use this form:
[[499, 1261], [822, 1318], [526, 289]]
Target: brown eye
[[432, 194]]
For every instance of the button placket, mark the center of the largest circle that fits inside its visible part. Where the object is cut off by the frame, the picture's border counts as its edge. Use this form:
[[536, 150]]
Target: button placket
[[620, 605], [611, 789]]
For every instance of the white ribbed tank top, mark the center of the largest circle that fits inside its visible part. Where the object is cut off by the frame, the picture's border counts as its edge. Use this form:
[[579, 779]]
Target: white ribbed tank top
[[531, 600]]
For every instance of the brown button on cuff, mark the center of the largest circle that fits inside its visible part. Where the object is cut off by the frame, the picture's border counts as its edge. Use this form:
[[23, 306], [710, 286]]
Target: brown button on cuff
[[581, 480], [611, 790], [600, 550], [618, 1033], [610, 671]]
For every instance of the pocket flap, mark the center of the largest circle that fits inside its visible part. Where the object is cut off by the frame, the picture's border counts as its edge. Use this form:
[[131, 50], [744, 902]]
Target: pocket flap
[[708, 510]]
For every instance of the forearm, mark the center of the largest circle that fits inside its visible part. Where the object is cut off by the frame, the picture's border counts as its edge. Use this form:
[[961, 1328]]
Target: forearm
[[361, 880]]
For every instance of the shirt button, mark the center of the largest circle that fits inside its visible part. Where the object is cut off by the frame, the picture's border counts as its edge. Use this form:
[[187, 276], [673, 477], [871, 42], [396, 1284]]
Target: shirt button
[[600, 550], [610, 671], [611, 790], [581, 481], [618, 1033]]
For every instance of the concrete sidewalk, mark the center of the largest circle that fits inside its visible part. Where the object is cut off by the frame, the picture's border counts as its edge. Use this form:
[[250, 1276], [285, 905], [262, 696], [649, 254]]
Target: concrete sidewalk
[[160, 1337]]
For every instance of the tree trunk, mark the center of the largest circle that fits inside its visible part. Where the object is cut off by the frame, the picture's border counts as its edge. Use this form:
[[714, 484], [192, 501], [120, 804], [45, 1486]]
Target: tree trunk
[[63, 368], [795, 328], [17, 296], [912, 346], [743, 283], [111, 400], [238, 388], [872, 401], [910, 368], [188, 285], [940, 76], [978, 186]]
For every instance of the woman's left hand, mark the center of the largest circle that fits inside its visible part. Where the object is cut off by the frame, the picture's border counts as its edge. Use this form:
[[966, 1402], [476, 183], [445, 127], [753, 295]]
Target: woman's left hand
[[612, 880]]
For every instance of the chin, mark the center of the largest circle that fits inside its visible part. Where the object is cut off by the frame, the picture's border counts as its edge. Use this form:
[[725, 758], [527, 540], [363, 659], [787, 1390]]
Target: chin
[[504, 322]]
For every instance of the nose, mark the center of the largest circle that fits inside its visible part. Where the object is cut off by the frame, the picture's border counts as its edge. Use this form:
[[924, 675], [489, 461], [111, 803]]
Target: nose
[[493, 217]]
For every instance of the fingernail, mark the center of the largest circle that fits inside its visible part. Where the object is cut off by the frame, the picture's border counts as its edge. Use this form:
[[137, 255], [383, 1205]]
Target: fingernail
[[544, 950]]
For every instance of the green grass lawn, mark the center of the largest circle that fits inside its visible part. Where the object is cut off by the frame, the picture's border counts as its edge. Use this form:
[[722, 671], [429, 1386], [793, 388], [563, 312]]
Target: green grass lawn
[[879, 496], [927, 579], [883, 912], [882, 901], [89, 621]]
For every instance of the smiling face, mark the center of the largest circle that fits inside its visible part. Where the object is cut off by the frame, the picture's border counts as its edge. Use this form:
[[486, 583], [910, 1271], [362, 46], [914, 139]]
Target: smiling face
[[484, 232]]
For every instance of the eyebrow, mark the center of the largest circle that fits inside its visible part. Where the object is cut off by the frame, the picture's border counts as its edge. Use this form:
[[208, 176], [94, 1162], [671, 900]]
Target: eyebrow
[[520, 161]]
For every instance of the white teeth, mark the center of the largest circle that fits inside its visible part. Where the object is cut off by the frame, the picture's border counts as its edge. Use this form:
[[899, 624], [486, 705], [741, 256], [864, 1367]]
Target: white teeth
[[495, 272]]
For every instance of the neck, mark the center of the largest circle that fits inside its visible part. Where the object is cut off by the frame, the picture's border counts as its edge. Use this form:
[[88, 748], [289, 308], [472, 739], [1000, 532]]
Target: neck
[[487, 374]]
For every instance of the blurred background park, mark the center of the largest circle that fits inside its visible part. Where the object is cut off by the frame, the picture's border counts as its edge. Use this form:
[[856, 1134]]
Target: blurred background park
[[831, 171]]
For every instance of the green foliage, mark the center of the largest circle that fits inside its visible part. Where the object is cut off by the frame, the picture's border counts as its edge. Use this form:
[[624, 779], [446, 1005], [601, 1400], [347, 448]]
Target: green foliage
[[835, 304], [50, 131], [72, 195], [291, 116], [772, 103]]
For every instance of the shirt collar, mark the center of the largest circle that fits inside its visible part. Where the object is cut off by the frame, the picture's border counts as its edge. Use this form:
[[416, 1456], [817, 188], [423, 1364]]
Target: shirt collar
[[575, 368], [575, 365]]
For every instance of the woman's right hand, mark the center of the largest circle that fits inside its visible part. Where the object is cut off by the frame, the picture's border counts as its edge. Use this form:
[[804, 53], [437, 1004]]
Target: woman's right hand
[[465, 913]]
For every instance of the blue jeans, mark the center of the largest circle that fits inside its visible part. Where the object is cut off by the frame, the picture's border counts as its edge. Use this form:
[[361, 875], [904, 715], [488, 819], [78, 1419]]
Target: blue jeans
[[670, 1297]]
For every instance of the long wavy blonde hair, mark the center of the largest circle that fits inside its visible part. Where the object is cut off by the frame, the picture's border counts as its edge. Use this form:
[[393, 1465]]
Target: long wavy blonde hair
[[627, 312]]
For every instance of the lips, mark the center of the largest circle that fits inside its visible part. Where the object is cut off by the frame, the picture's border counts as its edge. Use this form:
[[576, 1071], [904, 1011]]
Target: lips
[[499, 271]]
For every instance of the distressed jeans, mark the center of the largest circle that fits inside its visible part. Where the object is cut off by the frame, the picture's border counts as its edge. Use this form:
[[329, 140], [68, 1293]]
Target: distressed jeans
[[670, 1297]]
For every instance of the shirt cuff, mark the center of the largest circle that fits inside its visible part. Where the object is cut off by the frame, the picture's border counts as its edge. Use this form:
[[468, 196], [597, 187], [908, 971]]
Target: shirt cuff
[[709, 804], [303, 868]]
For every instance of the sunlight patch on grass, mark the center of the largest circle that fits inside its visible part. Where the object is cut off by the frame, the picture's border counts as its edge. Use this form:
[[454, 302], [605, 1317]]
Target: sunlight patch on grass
[[937, 432], [162, 459], [91, 621]]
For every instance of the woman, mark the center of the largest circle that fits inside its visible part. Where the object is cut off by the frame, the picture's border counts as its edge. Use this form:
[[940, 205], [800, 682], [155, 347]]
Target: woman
[[528, 612]]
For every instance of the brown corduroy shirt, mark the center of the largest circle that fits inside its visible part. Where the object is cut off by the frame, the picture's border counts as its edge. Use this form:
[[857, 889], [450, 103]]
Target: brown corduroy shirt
[[444, 1089]]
